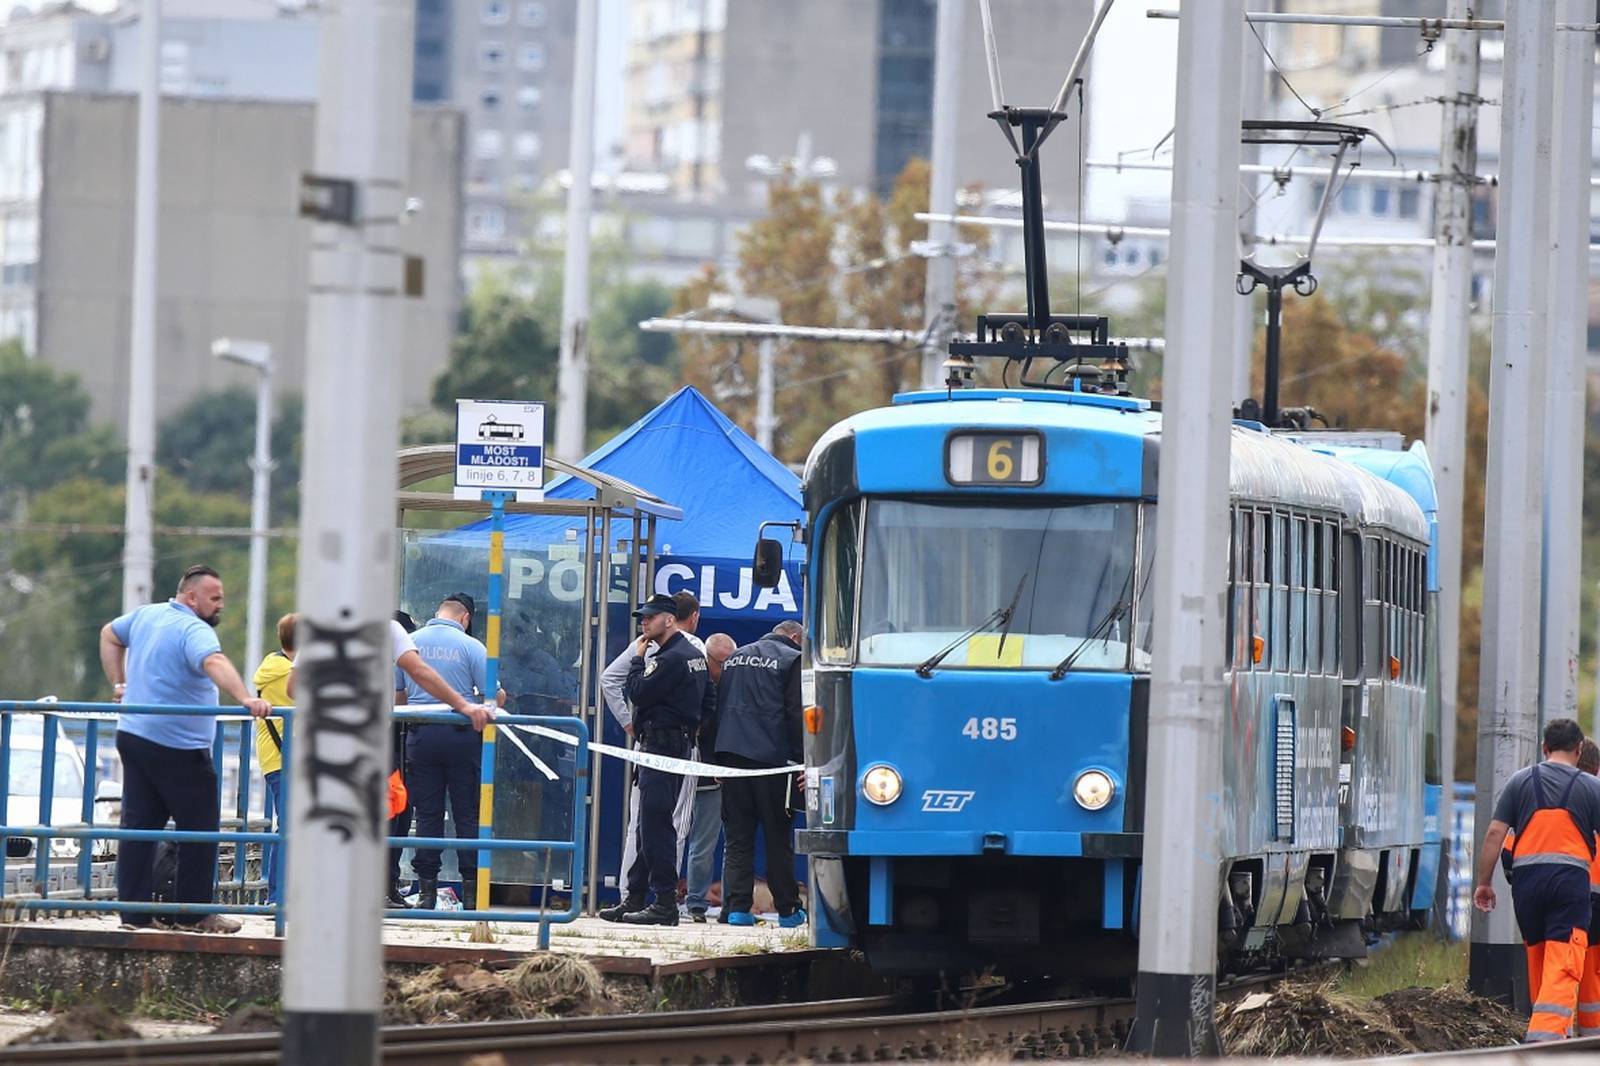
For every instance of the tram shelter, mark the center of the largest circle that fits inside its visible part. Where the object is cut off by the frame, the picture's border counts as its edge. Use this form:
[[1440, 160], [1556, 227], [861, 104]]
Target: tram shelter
[[554, 629]]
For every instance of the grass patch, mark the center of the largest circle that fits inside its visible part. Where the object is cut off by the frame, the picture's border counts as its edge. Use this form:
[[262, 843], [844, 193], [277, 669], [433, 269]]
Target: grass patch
[[1411, 960]]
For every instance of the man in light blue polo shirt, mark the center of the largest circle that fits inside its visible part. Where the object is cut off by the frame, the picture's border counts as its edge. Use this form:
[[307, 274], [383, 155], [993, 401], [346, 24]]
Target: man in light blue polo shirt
[[168, 653], [444, 759]]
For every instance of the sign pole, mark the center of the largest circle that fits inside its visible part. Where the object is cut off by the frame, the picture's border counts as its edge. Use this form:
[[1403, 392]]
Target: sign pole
[[491, 684], [499, 458]]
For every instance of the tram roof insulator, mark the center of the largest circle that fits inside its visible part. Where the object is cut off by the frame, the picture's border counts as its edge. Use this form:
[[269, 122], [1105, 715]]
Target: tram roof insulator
[[1075, 350]]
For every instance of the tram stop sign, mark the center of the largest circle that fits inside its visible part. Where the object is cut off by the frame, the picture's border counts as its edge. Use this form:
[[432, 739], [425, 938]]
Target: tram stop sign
[[499, 448]]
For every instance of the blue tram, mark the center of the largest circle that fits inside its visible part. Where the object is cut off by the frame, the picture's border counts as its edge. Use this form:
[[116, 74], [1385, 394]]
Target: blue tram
[[979, 623]]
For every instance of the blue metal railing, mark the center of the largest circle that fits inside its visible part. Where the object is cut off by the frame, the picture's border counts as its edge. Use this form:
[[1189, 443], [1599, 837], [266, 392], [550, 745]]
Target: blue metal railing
[[53, 714]]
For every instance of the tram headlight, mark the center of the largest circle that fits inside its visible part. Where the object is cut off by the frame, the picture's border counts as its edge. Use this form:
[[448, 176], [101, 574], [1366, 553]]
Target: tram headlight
[[1093, 789], [881, 785]]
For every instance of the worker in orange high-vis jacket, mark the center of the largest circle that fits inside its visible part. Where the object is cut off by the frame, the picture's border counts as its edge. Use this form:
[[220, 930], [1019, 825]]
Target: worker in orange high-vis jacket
[[1589, 983], [1555, 811]]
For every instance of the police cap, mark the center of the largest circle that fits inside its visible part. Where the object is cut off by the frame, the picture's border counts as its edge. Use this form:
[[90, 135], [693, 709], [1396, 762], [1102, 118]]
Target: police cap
[[660, 603]]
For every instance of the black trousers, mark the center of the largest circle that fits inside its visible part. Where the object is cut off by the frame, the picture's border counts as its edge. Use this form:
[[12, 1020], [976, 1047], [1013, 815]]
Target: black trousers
[[748, 804], [159, 783], [443, 759], [655, 864], [399, 826]]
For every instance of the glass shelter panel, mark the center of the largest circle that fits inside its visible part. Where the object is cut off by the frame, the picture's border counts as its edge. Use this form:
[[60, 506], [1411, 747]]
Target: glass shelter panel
[[543, 613]]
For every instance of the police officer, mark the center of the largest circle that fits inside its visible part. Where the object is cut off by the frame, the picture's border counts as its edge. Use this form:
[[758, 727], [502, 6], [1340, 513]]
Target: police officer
[[1551, 811], [447, 758], [758, 703], [670, 693]]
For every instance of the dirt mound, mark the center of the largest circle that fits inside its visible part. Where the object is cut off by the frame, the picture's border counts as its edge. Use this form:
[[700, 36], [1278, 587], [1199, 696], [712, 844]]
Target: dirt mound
[[252, 1019], [543, 985], [1316, 1020], [1308, 1020], [80, 1025], [1445, 1019]]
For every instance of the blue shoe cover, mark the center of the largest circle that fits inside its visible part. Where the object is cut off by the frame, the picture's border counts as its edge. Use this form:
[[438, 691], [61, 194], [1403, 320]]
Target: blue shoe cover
[[741, 918], [790, 921]]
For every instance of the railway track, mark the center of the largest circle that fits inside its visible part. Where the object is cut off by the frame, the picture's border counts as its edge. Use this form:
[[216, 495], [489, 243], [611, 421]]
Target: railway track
[[846, 1030]]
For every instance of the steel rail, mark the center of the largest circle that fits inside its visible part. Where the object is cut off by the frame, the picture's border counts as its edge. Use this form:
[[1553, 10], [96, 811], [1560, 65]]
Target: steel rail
[[860, 1029]]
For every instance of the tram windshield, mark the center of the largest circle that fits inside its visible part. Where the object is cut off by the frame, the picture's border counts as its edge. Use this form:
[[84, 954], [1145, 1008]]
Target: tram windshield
[[933, 571]]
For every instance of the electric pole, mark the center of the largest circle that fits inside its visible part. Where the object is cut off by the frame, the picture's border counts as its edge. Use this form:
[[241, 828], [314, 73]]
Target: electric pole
[[1449, 340], [1508, 694], [939, 299], [138, 546], [1255, 93], [1568, 347], [1177, 981], [339, 758], [572, 376]]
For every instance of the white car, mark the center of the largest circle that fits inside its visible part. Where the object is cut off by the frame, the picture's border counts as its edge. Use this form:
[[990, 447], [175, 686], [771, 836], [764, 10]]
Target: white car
[[22, 799]]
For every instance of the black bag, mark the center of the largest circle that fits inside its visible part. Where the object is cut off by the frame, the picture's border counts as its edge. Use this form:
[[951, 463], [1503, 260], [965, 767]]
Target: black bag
[[164, 887]]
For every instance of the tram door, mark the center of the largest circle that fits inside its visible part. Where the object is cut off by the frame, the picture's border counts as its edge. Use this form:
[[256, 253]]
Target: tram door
[[1352, 688]]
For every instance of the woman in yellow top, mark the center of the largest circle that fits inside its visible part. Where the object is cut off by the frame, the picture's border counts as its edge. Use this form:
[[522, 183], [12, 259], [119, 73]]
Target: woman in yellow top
[[272, 685]]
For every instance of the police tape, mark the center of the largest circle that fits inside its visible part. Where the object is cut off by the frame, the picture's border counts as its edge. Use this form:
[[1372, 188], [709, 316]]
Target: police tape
[[648, 759], [665, 763]]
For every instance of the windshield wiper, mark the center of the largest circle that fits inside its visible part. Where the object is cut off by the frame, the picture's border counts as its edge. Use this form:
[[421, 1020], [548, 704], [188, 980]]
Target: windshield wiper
[[999, 614], [1101, 629]]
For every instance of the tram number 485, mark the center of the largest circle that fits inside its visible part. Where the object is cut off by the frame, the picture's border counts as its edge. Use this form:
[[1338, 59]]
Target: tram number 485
[[990, 729]]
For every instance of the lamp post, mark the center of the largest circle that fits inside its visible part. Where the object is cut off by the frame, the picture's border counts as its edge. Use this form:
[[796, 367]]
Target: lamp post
[[258, 356]]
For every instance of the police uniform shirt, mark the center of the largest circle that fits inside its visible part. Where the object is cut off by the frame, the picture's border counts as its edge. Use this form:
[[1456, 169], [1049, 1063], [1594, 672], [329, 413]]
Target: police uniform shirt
[[614, 680], [758, 703], [460, 659], [1518, 802], [672, 689]]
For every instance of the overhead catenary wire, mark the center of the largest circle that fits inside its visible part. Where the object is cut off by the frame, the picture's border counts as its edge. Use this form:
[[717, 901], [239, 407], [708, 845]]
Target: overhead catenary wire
[[1284, 173], [1117, 232], [1287, 84]]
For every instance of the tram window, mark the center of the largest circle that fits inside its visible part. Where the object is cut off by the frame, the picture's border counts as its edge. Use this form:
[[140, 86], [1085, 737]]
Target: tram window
[[1297, 595], [1350, 606], [1392, 602], [1313, 540], [1372, 620], [1239, 591], [836, 599], [1261, 607], [1330, 599], [1419, 592], [1282, 633]]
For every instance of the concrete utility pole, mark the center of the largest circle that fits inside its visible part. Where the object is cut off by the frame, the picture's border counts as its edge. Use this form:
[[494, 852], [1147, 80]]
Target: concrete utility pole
[[1508, 694], [572, 380], [766, 392], [939, 299], [138, 546], [1177, 982], [1449, 340], [1255, 106], [1568, 347], [333, 961]]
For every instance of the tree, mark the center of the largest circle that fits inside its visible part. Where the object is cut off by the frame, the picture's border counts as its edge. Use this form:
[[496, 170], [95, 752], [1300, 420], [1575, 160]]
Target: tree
[[509, 346], [45, 436], [209, 442], [843, 263], [79, 575], [504, 350]]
